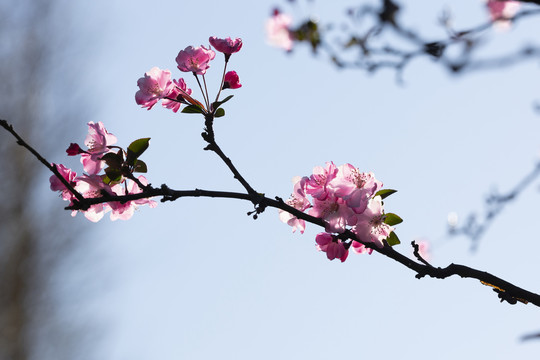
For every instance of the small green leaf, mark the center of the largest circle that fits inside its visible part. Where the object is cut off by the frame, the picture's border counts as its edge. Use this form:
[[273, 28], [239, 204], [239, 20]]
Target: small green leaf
[[392, 219], [192, 109], [219, 112], [112, 176], [217, 104], [140, 166], [385, 193], [393, 239], [136, 149], [113, 160]]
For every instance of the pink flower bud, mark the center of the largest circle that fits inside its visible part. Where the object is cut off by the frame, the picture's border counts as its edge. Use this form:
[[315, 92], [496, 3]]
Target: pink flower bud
[[232, 81]]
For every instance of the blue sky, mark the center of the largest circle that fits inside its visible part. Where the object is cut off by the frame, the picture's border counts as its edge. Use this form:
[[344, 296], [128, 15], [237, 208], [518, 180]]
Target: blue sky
[[198, 279]]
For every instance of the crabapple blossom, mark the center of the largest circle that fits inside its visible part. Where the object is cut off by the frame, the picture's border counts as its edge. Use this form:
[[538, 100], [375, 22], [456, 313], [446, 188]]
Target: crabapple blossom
[[278, 32], [92, 186], [124, 211], [227, 46], [355, 187], [360, 248], [350, 203], [317, 184], [195, 59], [179, 89], [370, 226], [98, 141], [57, 185], [334, 249], [335, 212], [298, 201], [155, 85], [232, 81]]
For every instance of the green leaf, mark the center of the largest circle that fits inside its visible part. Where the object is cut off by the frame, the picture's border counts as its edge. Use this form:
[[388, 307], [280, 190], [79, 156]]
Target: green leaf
[[113, 160], [217, 104], [192, 109], [136, 148], [140, 166], [392, 219], [385, 193], [112, 176], [393, 239], [219, 112]]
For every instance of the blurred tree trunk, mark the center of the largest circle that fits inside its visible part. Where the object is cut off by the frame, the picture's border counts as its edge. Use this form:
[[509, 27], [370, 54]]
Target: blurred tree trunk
[[32, 243]]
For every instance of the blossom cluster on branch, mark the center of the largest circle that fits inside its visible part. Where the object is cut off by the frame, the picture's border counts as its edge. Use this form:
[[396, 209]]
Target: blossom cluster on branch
[[347, 199]]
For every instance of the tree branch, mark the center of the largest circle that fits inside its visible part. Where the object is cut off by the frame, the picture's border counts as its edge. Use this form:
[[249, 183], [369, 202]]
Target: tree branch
[[506, 291]]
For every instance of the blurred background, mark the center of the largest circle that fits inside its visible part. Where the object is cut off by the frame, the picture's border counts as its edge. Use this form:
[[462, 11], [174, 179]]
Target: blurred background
[[197, 278]]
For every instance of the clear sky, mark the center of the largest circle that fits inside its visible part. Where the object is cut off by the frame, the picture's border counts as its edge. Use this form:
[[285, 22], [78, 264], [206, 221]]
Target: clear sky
[[198, 279]]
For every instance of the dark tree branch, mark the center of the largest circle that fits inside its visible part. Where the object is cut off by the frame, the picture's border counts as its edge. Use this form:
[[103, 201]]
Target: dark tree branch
[[506, 291], [376, 52]]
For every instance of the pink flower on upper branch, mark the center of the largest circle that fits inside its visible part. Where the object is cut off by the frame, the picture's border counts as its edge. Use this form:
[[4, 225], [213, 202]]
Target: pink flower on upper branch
[[370, 226], [278, 31], [232, 81], [226, 46], [334, 249], [195, 60], [298, 201], [355, 187], [98, 141], [502, 11], [155, 85], [57, 185], [124, 211], [179, 89]]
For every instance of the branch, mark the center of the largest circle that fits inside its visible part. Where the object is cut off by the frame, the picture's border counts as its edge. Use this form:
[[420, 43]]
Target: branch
[[49, 166], [506, 291], [374, 55]]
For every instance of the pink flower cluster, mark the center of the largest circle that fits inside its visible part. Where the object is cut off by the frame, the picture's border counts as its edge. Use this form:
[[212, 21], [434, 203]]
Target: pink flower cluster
[[92, 185], [346, 199], [157, 84]]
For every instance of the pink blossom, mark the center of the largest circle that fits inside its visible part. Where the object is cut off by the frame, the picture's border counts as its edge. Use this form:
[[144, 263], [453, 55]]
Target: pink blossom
[[360, 248], [355, 187], [370, 226], [98, 141], [278, 32], [195, 60], [317, 185], [155, 85], [335, 212], [333, 249], [227, 45], [57, 185], [92, 186], [232, 81], [298, 201], [124, 211], [501, 10], [179, 89]]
